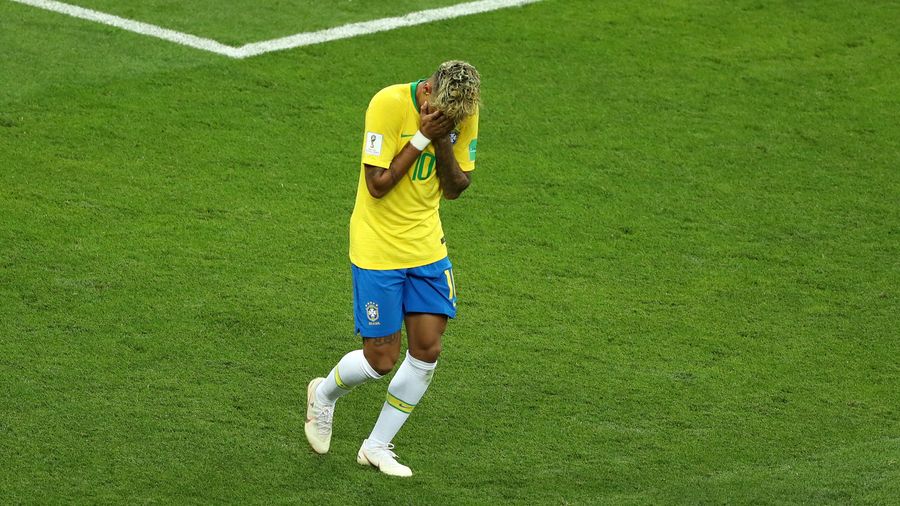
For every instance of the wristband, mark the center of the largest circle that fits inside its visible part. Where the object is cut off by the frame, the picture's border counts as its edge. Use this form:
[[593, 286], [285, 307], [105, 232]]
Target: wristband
[[419, 141]]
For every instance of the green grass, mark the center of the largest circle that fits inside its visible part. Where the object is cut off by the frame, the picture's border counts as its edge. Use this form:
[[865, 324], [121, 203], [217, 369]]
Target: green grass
[[678, 264], [241, 21]]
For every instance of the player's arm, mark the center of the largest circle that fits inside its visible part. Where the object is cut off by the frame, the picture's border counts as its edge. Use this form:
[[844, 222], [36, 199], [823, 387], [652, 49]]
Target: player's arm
[[455, 162], [380, 181], [453, 180]]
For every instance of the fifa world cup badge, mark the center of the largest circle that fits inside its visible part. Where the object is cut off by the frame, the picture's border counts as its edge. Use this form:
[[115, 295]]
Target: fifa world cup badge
[[372, 312]]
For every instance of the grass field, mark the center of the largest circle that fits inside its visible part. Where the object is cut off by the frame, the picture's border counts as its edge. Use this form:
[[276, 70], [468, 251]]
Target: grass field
[[678, 264]]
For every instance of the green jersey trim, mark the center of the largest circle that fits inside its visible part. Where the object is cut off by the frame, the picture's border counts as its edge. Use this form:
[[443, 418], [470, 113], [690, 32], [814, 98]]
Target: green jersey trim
[[412, 91]]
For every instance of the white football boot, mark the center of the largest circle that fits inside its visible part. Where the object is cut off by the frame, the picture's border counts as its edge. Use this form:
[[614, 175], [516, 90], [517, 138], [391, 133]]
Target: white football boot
[[381, 456], [318, 419]]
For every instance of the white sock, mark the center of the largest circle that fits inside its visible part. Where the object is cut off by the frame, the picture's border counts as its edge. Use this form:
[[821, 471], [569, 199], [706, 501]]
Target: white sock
[[352, 370], [404, 392]]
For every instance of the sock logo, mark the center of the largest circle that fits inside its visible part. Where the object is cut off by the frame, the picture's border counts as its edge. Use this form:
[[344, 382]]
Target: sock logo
[[372, 312], [401, 405]]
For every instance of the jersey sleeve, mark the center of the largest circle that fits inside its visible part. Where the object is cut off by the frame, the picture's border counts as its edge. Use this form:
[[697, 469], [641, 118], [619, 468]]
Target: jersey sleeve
[[466, 145], [384, 122]]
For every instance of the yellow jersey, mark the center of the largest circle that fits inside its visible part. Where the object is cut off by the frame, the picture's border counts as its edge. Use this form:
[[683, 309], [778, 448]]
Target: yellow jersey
[[402, 229]]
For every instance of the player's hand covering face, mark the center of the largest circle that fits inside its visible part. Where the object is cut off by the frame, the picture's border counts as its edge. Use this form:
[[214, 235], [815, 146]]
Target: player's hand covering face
[[435, 124]]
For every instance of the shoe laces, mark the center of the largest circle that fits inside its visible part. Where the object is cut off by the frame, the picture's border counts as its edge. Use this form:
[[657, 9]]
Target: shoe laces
[[383, 448], [323, 419]]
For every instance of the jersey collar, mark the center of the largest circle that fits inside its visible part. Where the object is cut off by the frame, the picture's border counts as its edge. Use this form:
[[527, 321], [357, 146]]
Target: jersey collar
[[412, 91]]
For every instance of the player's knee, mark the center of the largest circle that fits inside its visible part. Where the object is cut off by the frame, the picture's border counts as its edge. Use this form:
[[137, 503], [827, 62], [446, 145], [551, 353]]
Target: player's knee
[[383, 361], [384, 366], [428, 354], [431, 355]]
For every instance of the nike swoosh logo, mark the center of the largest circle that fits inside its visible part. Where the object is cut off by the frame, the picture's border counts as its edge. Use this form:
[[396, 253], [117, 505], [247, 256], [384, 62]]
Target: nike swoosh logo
[[406, 135]]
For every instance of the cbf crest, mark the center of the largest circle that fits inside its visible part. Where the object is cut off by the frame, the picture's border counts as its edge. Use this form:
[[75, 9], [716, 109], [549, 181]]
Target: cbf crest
[[454, 135], [372, 312]]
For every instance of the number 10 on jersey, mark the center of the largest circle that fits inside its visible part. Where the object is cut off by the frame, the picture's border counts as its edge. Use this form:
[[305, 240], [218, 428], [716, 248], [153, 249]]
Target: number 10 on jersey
[[424, 167]]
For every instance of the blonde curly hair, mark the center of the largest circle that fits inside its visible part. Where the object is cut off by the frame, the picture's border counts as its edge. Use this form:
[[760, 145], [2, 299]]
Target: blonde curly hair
[[457, 90]]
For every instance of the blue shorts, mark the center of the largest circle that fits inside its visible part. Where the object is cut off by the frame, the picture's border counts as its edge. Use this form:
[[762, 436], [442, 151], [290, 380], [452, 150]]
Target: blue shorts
[[381, 298]]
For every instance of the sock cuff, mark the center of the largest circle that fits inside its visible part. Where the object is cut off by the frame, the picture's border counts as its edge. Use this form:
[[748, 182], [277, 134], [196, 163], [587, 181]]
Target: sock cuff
[[420, 364], [372, 373]]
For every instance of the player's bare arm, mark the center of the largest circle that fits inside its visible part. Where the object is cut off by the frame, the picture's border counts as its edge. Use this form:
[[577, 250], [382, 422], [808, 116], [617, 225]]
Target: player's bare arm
[[453, 179], [380, 181]]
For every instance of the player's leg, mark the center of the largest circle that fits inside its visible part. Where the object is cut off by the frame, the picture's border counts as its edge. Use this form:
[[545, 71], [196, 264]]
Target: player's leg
[[407, 387], [424, 332], [382, 352], [429, 300], [377, 302]]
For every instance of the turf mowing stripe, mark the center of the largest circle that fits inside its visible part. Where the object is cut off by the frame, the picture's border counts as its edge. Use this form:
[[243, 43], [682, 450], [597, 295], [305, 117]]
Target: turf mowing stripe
[[280, 44], [159, 32]]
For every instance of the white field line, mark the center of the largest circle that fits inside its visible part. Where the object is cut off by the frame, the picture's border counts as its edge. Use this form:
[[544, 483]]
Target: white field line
[[289, 42], [159, 32], [378, 25]]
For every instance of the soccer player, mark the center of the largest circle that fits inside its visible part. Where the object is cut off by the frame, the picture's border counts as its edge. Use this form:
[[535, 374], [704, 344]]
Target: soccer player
[[419, 145]]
